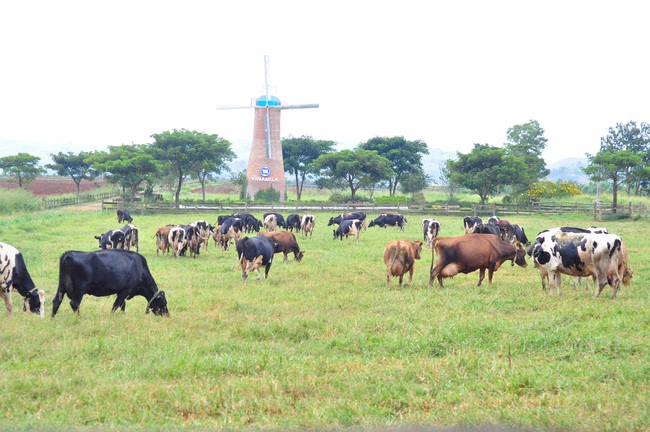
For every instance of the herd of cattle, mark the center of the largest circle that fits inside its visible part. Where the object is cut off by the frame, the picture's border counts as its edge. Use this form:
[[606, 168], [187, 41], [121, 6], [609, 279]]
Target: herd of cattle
[[116, 270]]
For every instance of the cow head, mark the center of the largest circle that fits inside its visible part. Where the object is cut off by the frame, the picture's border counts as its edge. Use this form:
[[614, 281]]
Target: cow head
[[331, 222], [520, 256], [371, 224], [299, 255], [417, 246], [35, 302], [158, 304]]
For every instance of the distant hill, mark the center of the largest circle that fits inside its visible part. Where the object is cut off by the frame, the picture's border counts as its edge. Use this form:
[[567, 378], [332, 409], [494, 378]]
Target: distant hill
[[568, 170]]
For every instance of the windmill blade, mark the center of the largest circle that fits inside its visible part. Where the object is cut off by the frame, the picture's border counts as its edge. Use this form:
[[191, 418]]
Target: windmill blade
[[284, 107]]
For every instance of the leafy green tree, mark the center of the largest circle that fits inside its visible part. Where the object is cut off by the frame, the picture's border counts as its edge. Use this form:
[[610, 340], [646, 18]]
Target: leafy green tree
[[73, 165], [414, 182], [22, 168], [190, 153], [130, 166], [527, 141], [447, 181], [298, 153], [240, 179], [485, 169], [216, 152], [405, 156], [611, 165], [354, 167]]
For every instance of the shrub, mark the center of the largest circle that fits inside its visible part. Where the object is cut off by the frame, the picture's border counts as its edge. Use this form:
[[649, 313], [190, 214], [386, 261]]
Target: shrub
[[268, 195], [15, 200]]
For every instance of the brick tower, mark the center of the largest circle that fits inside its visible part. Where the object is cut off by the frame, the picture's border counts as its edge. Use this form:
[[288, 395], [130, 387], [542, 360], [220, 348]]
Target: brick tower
[[265, 163]]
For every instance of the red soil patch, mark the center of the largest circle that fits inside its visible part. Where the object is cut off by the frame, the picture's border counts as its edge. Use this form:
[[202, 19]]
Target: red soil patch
[[54, 185]]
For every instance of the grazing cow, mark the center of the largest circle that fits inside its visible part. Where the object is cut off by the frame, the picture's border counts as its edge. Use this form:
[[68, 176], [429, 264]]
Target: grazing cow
[[104, 273], [162, 239], [177, 240], [307, 224], [191, 239], [255, 253], [222, 218], [577, 252], [399, 257], [470, 223], [431, 229], [293, 222], [347, 228], [278, 217], [487, 229], [14, 276], [472, 252], [113, 239], [249, 222], [284, 242], [203, 232], [515, 233], [130, 237], [385, 220], [124, 216], [350, 215], [229, 236], [270, 222]]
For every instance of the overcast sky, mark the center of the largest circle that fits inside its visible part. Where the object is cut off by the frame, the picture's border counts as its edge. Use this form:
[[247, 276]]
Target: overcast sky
[[83, 75]]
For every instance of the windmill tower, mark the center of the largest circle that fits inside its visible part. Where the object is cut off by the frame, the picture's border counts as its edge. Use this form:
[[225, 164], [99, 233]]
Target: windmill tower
[[265, 163]]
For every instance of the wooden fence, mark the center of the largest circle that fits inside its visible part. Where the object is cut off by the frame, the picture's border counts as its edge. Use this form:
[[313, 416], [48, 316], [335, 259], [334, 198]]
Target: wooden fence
[[597, 209], [49, 203]]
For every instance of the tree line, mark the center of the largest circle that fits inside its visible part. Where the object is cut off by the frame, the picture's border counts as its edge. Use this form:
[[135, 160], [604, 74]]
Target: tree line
[[516, 169]]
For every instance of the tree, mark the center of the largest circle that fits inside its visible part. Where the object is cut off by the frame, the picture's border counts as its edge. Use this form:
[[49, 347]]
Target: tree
[[414, 182], [405, 156], [447, 181], [298, 153], [485, 169], [215, 153], [189, 153], [621, 158], [354, 167], [527, 141], [22, 167], [74, 165], [130, 166]]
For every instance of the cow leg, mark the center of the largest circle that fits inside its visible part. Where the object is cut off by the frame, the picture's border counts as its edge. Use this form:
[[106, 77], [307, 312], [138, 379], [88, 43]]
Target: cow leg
[[120, 302], [56, 302], [481, 276], [410, 276], [286, 258], [6, 295]]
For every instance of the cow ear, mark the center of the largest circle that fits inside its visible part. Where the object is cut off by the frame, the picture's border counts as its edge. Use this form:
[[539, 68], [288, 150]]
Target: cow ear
[[97, 237]]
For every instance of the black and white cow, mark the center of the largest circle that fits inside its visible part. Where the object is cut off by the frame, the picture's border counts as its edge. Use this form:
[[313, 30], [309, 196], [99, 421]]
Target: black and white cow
[[113, 239], [469, 223], [255, 253], [177, 240], [515, 233], [107, 272], [124, 216], [487, 229], [279, 219], [347, 228], [307, 224], [385, 220], [14, 276], [130, 237], [346, 216], [250, 222], [573, 252], [293, 222], [431, 229], [494, 220]]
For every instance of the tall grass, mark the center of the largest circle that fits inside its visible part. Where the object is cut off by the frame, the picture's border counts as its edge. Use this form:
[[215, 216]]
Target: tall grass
[[325, 343], [18, 200]]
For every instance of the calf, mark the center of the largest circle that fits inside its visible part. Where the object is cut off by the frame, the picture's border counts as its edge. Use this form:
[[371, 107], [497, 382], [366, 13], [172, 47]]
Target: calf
[[285, 242], [307, 224], [399, 257], [472, 252], [255, 253], [14, 276], [104, 273], [113, 239], [348, 227]]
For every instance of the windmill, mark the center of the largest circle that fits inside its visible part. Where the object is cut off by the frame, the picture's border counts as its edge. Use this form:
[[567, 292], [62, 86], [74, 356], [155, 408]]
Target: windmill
[[265, 163]]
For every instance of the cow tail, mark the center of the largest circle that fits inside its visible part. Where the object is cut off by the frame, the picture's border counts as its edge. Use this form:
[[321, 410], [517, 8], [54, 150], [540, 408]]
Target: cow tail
[[394, 251]]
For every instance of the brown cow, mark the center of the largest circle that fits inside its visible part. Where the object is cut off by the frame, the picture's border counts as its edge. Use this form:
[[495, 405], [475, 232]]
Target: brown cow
[[162, 239], [399, 257], [285, 242], [472, 252]]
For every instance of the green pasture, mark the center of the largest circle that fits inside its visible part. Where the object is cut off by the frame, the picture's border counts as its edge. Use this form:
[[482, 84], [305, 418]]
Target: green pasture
[[324, 344]]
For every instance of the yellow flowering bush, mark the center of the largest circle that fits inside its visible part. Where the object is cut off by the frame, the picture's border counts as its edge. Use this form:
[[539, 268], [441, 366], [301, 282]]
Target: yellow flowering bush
[[550, 189]]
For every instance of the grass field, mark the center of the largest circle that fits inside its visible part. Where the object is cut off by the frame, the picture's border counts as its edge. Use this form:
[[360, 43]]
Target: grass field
[[324, 344]]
